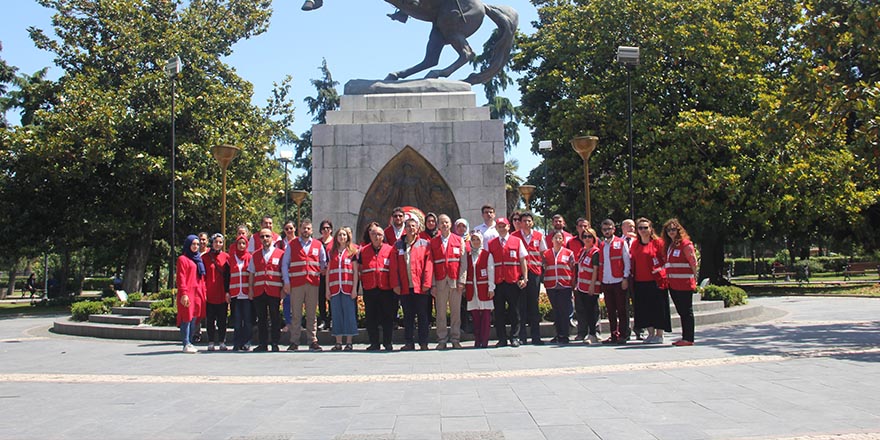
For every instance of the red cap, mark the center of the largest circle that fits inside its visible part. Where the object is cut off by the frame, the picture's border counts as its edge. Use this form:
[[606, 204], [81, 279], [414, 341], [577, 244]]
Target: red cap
[[502, 220]]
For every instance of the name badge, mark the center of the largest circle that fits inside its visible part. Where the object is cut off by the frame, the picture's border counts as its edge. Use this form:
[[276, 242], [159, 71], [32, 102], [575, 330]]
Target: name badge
[[456, 251], [315, 252], [656, 261], [275, 261], [387, 261], [484, 272], [616, 245], [676, 253], [564, 258], [348, 261], [512, 254], [401, 252]]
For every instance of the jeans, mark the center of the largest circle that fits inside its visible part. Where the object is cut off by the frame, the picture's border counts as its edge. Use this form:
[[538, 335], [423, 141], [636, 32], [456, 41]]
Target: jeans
[[186, 331], [243, 322]]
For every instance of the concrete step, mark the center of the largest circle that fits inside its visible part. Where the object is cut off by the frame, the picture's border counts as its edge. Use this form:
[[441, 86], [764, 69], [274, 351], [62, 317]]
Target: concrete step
[[131, 311], [143, 303], [117, 319], [150, 333], [700, 306]]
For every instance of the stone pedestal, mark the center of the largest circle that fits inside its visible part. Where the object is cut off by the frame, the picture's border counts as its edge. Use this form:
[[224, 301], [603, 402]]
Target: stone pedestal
[[435, 151]]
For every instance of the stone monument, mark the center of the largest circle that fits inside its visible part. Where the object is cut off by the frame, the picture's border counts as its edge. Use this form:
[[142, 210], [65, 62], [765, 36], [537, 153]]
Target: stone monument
[[421, 143]]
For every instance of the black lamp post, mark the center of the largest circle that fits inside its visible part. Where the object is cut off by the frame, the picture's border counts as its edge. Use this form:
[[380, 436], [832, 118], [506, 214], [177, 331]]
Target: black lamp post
[[629, 57], [172, 68]]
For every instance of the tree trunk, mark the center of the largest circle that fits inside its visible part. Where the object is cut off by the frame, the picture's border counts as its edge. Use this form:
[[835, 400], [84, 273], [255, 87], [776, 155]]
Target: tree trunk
[[138, 256], [65, 274], [10, 288], [712, 259]]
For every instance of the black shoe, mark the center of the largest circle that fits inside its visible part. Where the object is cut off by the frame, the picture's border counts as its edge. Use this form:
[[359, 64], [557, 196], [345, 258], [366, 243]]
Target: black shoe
[[312, 4], [292, 347], [563, 341], [501, 344], [515, 343], [374, 347], [315, 347], [408, 347], [261, 349], [621, 341], [554, 340], [275, 348], [609, 341], [389, 347], [537, 342]]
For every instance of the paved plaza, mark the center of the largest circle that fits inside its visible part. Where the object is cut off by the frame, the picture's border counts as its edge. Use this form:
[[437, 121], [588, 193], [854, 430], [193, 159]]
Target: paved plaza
[[808, 369]]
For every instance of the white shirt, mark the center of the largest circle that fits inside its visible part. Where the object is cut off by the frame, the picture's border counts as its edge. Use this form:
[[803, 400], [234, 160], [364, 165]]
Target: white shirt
[[607, 277], [488, 233]]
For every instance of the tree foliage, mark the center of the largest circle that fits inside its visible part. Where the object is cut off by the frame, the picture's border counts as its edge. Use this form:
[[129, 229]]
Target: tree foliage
[[325, 100]]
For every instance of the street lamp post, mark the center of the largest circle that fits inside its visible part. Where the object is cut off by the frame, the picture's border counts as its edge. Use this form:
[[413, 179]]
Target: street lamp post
[[224, 155], [628, 56], [286, 157], [172, 68], [298, 196], [546, 147], [584, 145]]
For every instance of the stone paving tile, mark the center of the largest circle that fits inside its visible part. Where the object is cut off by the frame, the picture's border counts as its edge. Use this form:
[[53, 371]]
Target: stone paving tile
[[675, 431], [417, 427], [622, 429], [464, 423], [367, 423], [523, 434], [568, 432], [556, 416]]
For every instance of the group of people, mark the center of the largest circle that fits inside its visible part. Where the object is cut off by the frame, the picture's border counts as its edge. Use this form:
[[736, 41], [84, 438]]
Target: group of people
[[493, 272]]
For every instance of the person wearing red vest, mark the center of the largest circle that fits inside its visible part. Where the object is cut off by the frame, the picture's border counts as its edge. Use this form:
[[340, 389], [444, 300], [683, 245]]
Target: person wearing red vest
[[304, 261], [558, 275], [511, 275], [681, 271], [342, 280], [265, 291], [395, 230], [650, 297], [480, 289], [449, 253], [558, 225], [615, 264], [380, 304], [575, 243], [528, 304], [256, 243], [217, 285], [190, 287], [411, 273], [239, 288], [587, 288]]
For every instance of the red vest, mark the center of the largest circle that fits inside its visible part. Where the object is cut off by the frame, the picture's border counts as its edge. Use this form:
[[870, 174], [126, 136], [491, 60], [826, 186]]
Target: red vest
[[478, 276], [507, 268], [376, 267], [304, 267], [267, 274], [340, 274], [678, 269], [585, 271], [390, 238], [421, 265], [214, 276], [576, 245], [615, 254], [558, 273], [548, 239], [533, 260], [238, 279], [446, 265]]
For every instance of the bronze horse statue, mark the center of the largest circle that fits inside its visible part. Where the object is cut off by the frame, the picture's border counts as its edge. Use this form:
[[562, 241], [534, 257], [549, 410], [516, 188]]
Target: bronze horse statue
[[453, 22]]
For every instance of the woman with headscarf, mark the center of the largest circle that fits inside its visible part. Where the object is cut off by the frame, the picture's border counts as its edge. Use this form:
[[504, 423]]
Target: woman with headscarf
[[480, 289], [242, 309], [217, 285], [430, 230], [190, 290]]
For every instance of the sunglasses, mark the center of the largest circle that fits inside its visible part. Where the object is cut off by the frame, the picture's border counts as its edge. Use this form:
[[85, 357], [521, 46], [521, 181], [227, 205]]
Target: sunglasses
[[265, 236], [672, 230], [589, 237], [643, 228]]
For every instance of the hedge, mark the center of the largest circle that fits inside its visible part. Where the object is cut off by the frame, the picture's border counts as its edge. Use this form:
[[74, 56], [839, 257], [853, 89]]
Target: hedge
[[80, 311], [731, 295]]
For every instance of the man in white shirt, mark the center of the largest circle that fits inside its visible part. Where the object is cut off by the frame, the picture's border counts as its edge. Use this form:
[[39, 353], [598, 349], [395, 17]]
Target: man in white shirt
[[487, 229], [615, 262]]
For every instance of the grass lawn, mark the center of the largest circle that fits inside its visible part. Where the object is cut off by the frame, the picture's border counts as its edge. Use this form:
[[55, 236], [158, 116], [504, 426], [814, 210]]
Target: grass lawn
[[860, 289], [24, 308]]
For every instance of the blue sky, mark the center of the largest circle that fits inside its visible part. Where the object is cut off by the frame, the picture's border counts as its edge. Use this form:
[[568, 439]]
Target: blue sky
[[355, 36]]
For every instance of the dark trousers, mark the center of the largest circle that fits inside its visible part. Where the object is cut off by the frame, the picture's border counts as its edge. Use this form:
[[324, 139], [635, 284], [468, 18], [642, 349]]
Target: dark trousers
[[615, 304], [323, 304], [507, 311], [243, 321], [269, 320], [380, 308], [217, 322], [482, 327], [586, 308], [560, 299], [684, 304], [415, 306], [528, 308]]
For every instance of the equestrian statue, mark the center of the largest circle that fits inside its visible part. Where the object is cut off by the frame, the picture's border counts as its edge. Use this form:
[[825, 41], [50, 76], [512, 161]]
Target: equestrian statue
[[453, 21]]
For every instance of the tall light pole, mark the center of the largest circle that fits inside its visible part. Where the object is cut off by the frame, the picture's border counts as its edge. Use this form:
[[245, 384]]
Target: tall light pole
[[584, 145], [172, 68], [224, 155], [628, 56], [298, 196], [526, 191], [286, 157], [546, 147]]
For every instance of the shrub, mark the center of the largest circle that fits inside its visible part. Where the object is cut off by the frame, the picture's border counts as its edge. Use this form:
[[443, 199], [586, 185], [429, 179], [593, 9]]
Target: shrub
[[163, 317], [80, 311], [164, 294], [731, 295], [814, 266], [111, 302], [167, 302], [133, 297]]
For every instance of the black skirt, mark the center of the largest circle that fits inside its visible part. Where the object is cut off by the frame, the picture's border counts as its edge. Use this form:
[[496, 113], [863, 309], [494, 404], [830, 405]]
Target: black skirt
[[651, 306]]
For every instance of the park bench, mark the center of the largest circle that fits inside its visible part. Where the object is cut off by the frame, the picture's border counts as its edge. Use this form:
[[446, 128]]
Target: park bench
[[781, 273], [859, 269]]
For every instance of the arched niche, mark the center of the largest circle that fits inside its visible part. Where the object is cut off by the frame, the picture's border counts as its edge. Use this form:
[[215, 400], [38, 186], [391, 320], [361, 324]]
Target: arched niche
[[408, 179]]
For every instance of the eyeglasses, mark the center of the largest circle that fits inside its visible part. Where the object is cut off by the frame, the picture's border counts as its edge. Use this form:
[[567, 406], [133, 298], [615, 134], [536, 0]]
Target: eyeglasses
[[589, 237], [265, 236], [643, 228], [672, 230], [516, 219]]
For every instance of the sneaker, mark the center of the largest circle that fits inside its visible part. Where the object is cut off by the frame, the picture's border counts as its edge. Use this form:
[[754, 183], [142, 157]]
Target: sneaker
[[292, 347], [647, 340], [211, 347], [441, 346], [190, 349], [315, 347], [223, 347], [514, 343], [656, 340], [456, 344], [682, 343]]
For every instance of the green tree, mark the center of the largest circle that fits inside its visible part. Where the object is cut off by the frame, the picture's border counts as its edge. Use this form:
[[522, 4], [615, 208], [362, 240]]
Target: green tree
[[7, 75], [103, 150], [326, 99]]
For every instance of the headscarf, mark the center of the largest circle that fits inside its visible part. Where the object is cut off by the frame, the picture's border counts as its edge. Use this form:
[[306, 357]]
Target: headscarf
[[431, 232], [466, 224], [211, 246], [233, 248], [194, 256], [476, 250]]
